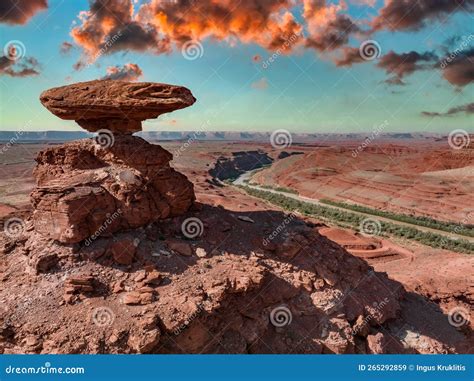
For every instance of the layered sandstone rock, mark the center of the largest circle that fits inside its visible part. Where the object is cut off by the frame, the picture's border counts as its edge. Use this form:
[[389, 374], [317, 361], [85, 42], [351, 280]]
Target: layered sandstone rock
[[117, 181], [115, 105]]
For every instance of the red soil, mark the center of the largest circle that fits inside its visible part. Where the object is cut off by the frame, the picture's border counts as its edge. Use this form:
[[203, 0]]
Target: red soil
[[422, 179]]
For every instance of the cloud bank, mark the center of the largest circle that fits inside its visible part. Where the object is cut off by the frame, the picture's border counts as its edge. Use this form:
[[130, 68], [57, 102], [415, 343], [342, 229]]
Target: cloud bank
[[20, 11]]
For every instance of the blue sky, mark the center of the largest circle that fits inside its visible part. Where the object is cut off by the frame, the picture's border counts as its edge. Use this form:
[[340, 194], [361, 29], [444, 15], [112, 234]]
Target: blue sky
[[302, 92]]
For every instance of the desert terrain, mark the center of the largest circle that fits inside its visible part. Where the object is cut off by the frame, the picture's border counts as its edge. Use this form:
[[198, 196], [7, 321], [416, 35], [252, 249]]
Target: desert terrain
[[344, 291], [421, 178]]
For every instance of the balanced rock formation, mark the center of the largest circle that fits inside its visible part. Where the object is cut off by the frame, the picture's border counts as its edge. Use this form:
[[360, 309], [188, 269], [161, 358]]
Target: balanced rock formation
[[116, 181], [115, 105]]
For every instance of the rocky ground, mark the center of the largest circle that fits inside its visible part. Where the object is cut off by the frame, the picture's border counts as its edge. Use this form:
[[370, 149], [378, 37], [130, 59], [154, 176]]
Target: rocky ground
[[232, 275]]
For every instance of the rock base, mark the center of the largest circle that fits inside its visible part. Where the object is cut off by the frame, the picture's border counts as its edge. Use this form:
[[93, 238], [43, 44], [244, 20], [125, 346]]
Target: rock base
[[86, 189]]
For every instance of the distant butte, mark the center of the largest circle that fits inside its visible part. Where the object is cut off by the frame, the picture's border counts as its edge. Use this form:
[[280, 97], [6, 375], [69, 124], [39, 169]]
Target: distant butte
[[115, 105]]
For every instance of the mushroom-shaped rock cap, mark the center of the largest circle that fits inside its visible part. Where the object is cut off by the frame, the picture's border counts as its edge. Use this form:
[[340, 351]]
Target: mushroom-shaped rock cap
[[115, 105]]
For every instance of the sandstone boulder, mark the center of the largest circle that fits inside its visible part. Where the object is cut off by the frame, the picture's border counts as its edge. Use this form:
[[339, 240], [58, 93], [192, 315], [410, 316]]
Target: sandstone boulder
[[85, 190], [384, 343], [115, 105]]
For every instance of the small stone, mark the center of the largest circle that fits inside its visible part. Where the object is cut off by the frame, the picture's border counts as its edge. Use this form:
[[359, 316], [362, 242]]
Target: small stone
[[318, 284], [384, 343], [78, 284], [131, 298], [140, 276], [360, 327], [123, 251], [246, 219], [146, 298], [44, 262], [69, 290], [31, 340], [153, 278], [182, 248], [84, 280], [117, 287], [144, 342], [200, 252], [145, 289]]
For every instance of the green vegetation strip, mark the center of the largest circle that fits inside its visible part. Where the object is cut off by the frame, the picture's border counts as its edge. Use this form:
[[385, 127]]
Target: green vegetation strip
[[354, 220], [428, 222], [278, 189]]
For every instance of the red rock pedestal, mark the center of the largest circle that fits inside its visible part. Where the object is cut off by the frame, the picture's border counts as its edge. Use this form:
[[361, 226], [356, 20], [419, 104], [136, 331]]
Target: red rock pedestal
[[115, 181], [86, 190]]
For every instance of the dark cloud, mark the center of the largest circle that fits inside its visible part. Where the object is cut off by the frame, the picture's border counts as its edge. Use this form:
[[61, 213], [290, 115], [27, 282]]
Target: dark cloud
[[333, 35], [127, 72], [458, 67], [401, 65], [24, 67], [467, 109], [413, 14], [134, 36], [349, 57], [394, 81], [20, 11], [109, 26], [65, 47], [328, 27]]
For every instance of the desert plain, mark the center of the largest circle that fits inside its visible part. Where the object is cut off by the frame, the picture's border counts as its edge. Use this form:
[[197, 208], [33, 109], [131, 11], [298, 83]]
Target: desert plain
[[255, 264]]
